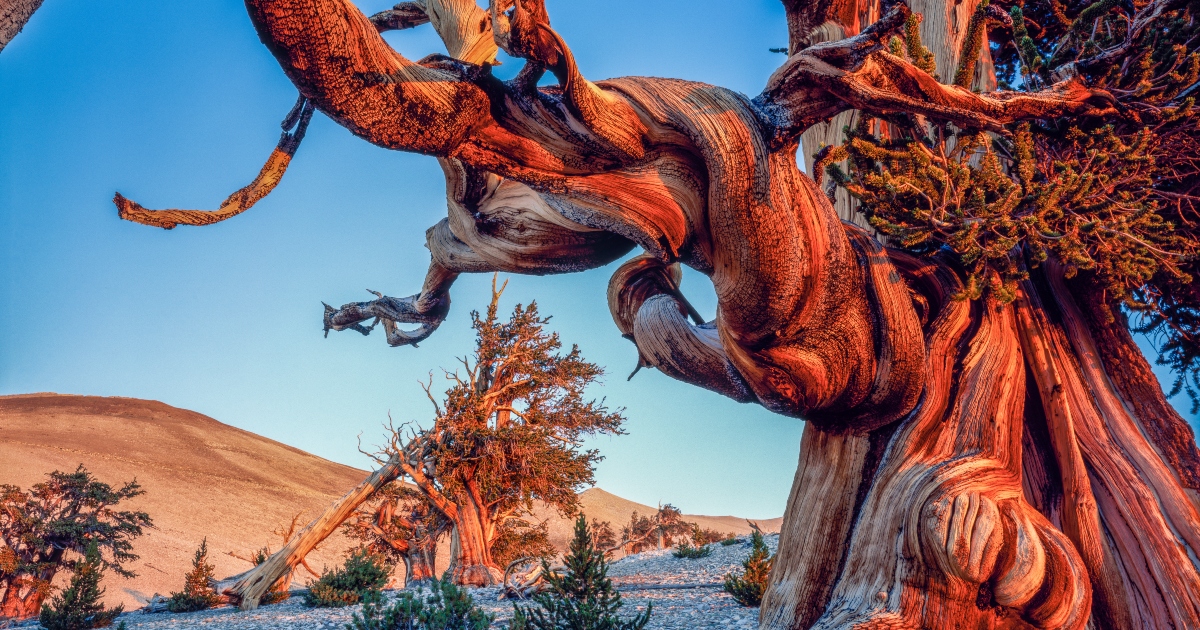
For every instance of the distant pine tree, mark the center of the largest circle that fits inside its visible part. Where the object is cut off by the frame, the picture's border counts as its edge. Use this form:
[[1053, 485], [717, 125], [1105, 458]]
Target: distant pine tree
[[583, 598], [748, 587], [78, 606], [198, 593]]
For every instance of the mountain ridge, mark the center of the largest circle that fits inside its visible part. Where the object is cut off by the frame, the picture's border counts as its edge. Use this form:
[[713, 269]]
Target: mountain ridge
[[249, 484]]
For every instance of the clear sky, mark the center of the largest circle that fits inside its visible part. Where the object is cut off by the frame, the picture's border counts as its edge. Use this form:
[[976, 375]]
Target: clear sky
[[178, 105]]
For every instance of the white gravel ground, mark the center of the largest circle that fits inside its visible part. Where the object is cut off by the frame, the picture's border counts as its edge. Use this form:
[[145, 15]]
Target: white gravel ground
[[705, 608]]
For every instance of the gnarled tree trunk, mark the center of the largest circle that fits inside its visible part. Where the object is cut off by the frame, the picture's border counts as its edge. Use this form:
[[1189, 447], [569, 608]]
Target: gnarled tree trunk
[[966, 464], [473, 564]]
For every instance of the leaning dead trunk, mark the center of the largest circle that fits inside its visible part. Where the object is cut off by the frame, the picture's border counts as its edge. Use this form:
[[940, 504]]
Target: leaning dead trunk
[[248, 588]]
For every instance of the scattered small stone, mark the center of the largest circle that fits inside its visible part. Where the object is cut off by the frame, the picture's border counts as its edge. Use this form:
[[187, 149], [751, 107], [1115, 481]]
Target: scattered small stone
[[703, 608]]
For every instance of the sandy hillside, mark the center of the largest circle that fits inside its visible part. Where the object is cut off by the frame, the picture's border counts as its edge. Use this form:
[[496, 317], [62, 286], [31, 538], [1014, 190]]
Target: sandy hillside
[[202, 478], [207, 479]]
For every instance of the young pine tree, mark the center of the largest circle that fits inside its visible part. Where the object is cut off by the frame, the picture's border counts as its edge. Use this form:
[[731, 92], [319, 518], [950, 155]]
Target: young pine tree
[[197, 593], [748, 587], [581, 599], [78, 606], [363, 573], [445, 607]]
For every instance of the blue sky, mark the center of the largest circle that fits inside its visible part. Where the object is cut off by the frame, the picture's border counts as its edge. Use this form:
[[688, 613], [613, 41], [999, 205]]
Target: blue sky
[[177, 105]]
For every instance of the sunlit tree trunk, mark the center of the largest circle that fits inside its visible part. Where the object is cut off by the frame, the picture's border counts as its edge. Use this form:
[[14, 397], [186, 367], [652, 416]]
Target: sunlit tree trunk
[[473, 564], [25, 592]]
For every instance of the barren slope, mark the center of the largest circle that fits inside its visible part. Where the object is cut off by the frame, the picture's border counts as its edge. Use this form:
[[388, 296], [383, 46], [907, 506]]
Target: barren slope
[[202, 479], [207, 479]]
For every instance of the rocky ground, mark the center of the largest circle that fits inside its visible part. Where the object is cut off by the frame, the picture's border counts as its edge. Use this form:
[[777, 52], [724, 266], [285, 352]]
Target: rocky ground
[[706, 607]]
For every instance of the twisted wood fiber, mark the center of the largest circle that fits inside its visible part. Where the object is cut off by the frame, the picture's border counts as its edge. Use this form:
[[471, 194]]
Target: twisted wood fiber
[[966, 464]]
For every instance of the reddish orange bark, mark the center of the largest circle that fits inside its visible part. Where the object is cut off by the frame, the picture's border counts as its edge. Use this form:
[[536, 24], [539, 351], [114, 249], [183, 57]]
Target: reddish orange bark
[[967, 464]]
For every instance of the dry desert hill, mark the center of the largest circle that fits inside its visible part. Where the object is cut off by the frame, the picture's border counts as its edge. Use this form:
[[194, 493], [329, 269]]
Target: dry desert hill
[[207, 479]]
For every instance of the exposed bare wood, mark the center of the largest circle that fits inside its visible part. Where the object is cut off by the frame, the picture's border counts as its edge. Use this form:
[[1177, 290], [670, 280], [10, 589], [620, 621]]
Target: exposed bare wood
[[248, 588], [967, 464]]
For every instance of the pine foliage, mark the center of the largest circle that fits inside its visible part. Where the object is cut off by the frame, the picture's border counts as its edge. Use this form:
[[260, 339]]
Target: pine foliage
[[655, 530], [446, 607], [1115, 198], [65, 514], [197, 593], [688, 551], [362, 573], [519, 539], [583, 598], [78, 606], [748, 586], [508, 432]]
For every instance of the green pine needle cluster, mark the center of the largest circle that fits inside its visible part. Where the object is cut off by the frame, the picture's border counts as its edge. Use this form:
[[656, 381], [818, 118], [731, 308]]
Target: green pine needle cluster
[[748, 586], [78, 606], [583, 598], [362, 574], [1113, 197], [197, 593], [688, 551], [446, 607]]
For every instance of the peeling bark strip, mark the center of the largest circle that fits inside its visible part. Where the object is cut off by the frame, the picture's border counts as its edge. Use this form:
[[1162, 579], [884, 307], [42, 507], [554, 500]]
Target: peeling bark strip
[[967, 464]]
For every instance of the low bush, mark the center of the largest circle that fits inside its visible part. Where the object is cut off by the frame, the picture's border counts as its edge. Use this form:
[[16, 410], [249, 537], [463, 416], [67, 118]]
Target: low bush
[[581, 599], [703, 536], [362, 573], [197, 593], [729, 542], [446, 607], [690, 552], [78, 606], [748, 586]]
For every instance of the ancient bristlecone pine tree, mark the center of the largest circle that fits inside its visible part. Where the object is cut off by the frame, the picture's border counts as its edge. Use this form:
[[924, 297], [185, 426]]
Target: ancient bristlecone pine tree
[[986, 445]]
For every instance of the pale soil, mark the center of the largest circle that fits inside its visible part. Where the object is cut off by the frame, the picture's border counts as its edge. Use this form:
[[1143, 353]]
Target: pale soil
[[701, 608], [205, 479]]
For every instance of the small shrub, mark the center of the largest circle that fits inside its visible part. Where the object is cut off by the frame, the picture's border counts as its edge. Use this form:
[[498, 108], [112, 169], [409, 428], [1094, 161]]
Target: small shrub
[[446, 607], [748, 586], [78, 606], [363, 573], [729, 542], [581, 599], [703, 536], [197, 593], [689, 552]]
